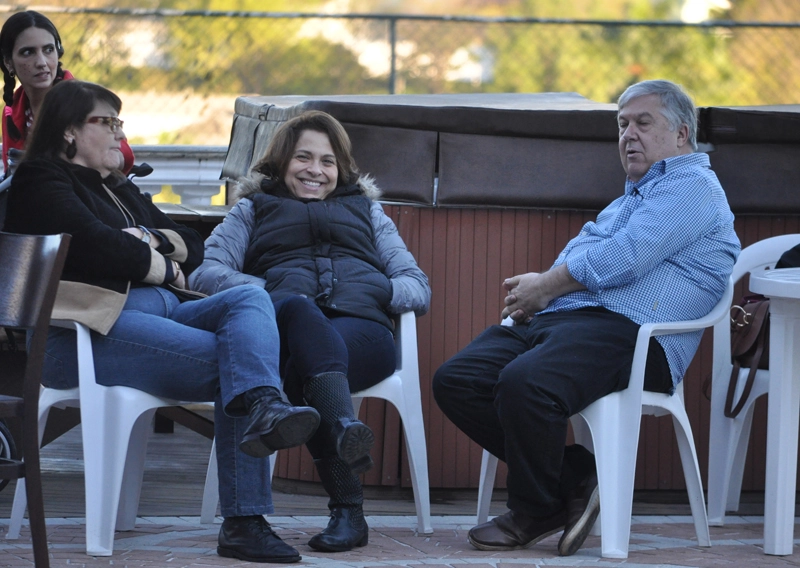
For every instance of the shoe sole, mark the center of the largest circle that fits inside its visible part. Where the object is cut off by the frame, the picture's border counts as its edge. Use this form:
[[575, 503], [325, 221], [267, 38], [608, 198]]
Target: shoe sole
[[573, 539], [492, 547], [294, 430], [355, 445], [230, 553], [327, 548]]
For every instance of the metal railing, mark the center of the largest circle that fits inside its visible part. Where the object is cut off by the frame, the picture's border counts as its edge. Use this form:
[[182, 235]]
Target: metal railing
[[183, 174], [179, 72], [190, 65]]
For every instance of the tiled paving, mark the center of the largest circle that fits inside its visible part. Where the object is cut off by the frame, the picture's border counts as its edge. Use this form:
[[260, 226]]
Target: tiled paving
[[173, 482], [177, 542]]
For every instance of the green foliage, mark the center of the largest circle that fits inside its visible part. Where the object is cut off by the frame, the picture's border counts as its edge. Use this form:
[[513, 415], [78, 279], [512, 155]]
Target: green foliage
[[264, 56], [238, 55]]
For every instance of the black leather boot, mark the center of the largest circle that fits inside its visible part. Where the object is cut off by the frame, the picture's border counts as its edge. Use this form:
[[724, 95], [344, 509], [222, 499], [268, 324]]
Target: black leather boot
[[275, 424], [347, 527], [329, 393], [252, 539]]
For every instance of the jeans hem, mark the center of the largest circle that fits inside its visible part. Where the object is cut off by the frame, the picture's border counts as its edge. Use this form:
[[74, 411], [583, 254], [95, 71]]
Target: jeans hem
[[247, 511]]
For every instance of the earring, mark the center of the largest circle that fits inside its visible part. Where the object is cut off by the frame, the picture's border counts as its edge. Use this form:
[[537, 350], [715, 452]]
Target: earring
[[11, 73], [72, 149]]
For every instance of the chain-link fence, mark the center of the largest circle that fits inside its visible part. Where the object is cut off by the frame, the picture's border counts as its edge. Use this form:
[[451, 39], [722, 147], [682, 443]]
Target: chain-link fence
[[179, 71]]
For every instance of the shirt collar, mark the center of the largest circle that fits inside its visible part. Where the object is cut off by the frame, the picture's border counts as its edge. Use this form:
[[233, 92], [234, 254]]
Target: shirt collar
[[663, 167]]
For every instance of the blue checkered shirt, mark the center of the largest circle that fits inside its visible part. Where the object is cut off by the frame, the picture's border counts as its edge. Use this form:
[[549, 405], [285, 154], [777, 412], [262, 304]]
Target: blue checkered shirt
[[661, 252]]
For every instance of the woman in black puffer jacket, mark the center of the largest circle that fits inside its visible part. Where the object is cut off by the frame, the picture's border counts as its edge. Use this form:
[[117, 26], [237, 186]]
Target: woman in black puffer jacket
[[308, 228]]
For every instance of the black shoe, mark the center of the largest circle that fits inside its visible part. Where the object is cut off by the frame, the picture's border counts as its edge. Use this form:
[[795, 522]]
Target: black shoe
[[583, 506], [252, 539], [354, 440], [514, 531], [346, 530], [275, 424], [351, 439]]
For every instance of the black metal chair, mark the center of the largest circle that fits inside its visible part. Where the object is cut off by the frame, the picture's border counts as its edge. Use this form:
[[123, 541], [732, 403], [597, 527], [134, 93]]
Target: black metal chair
[[29, 275]]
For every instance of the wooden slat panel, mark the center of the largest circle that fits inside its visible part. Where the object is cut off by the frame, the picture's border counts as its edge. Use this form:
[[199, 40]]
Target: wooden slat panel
[[443, 339], [665, 455], [408, 224], [466, 254], [426, 338], [751, 230], [482, 290], [382, 417]]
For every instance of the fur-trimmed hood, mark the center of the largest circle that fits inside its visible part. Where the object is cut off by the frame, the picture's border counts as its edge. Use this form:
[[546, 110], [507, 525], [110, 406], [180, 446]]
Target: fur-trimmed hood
[[252, 184]]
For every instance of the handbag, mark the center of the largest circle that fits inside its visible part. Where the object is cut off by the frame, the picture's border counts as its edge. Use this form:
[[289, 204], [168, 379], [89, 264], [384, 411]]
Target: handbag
[[749, 347]]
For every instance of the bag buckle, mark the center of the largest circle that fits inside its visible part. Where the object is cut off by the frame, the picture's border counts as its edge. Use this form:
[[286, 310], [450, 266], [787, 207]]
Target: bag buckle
[[745, 317]]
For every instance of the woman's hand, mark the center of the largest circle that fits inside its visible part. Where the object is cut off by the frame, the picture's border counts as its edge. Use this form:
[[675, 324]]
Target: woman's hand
[[155, 241], [180, 279]]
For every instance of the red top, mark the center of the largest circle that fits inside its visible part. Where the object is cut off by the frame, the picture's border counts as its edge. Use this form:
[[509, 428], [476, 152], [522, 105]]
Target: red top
[[15, 114]]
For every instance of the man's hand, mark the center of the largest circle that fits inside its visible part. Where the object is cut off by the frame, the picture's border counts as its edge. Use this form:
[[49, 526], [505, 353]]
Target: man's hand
[[530, 293], [524, 296]]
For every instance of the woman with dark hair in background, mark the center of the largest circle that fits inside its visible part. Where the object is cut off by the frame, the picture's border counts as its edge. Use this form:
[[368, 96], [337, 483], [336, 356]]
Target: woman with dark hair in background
[[31, 51], [124, 278]]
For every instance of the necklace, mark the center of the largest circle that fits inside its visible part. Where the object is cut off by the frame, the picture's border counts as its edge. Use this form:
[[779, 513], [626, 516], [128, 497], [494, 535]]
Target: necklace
[[129, 220], [28, 119]]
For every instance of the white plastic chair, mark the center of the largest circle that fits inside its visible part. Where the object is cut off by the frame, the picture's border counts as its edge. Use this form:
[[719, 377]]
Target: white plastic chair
[[402, 390], [610, 426], [115, 425], [728, 437]]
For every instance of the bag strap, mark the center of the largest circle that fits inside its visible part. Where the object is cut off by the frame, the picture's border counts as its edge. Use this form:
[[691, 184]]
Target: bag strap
[[759, 320]]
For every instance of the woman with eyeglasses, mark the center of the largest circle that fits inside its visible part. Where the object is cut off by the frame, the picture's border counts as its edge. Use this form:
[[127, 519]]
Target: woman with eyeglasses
[[31, 51], [124, 278]]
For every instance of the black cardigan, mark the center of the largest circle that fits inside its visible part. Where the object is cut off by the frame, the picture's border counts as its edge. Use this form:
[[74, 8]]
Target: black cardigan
[[52, 196]]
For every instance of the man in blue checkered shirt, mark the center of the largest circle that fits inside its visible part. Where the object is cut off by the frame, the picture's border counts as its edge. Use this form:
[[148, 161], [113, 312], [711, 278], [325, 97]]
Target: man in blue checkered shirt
[[663, 251]]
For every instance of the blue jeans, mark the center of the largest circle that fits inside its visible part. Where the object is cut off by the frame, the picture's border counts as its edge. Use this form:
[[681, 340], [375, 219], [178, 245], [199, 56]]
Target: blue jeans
[[212, 349]]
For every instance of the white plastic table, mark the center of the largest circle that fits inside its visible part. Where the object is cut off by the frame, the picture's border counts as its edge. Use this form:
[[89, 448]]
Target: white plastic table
[[782, 287]]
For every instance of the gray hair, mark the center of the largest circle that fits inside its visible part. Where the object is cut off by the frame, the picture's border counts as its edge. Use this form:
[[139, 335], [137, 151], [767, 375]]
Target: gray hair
[[676, 105]]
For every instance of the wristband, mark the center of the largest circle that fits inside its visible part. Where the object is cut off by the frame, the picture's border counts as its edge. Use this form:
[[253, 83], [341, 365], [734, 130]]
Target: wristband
[[145, 234]]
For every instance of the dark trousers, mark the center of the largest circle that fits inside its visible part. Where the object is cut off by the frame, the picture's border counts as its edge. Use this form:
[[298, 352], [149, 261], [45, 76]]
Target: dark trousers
[[513, 389], [312, 344]]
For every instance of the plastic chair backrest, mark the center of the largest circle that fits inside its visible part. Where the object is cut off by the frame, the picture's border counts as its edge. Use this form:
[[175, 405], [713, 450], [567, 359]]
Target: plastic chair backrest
[[761, 255]]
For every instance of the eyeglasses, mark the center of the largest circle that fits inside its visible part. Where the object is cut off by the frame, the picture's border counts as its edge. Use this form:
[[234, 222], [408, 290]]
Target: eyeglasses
[[111, 121]]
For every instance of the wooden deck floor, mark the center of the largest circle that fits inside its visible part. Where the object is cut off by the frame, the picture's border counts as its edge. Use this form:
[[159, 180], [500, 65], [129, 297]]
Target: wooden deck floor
[[175, 473]]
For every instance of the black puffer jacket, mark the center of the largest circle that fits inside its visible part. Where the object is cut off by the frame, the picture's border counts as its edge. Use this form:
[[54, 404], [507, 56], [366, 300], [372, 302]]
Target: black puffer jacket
[[322, 249]]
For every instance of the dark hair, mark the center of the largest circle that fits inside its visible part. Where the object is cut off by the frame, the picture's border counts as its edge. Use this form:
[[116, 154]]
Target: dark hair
[[275, 161], [66, 105], [14, 26]]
